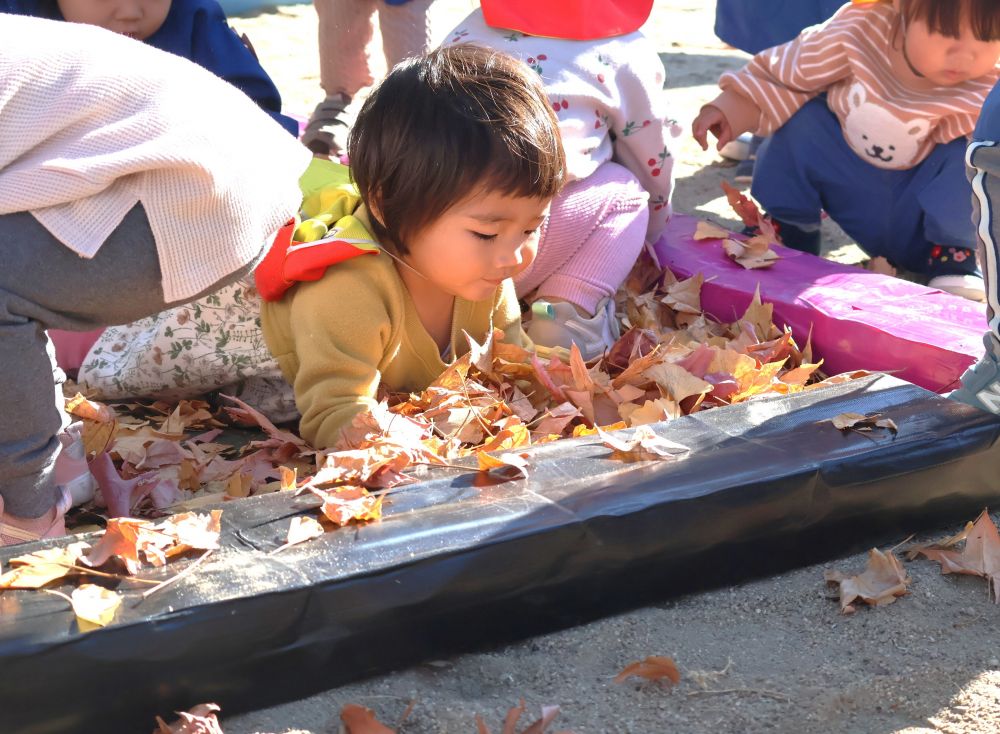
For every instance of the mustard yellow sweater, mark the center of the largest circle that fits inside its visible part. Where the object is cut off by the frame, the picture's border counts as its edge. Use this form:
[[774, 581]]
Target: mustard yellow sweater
[[337, 339]]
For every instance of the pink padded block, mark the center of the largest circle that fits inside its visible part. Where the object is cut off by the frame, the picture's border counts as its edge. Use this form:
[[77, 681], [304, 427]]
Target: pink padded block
[[860, 320]]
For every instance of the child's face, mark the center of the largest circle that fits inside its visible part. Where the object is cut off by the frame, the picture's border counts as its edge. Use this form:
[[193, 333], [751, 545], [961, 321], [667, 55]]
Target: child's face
[[138, 19], [478, 243], [948, 61]]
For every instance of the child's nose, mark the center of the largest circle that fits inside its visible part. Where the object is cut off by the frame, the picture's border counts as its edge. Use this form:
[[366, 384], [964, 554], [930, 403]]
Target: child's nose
[[128, 10]]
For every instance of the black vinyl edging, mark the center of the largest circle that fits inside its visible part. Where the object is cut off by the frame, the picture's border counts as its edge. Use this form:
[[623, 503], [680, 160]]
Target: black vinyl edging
[[462, 561]]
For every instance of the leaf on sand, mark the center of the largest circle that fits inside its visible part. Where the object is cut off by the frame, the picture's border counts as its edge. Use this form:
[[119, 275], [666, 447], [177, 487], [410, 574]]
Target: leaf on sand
[[35, 570], [752, 254], [979, 557], [881, 582], [863, 423], [94, 606], [509, 460], [200, 719], [944, 544], [655, 668], [710, 231], [644, 444], [549, 713], [360, 720]]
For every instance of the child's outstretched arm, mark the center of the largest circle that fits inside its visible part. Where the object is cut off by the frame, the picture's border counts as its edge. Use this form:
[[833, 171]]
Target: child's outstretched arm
[[763, 95], [330, 337]]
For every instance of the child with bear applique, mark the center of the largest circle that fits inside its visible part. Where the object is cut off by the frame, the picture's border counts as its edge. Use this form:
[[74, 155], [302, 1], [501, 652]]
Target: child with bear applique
[[869, 115]]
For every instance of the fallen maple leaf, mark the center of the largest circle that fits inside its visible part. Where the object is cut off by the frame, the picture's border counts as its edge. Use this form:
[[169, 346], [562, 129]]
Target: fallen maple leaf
[[200, 719], [752, 254], [81, 407], [685, 295], [710, 231], [302, 529], [944, 544], [881, 582], [343, 504], [655, 668], [549, 713], [863, 423], [644, 444], [979, 557], [120, 538], [360, 720], [517, 462], [94, 606], [34, 570]]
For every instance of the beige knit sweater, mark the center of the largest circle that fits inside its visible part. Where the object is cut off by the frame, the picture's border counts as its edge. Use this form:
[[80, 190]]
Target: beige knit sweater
[[92, 123]]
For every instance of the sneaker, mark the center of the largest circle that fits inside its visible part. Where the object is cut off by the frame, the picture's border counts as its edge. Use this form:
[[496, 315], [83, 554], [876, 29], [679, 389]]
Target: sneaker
[[71, 469], [560, 325], [737, 149], [52, 524], [981, 382], [967, 286], [324, 135]]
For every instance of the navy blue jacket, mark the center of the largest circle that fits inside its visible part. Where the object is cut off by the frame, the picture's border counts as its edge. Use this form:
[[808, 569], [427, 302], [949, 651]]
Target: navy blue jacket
[[199, 31]]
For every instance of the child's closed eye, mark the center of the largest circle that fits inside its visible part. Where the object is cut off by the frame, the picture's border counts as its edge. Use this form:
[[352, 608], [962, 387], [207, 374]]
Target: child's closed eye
[[484, 237]]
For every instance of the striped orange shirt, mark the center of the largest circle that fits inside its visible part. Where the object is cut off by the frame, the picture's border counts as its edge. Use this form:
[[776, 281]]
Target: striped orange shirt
[[890, 121]]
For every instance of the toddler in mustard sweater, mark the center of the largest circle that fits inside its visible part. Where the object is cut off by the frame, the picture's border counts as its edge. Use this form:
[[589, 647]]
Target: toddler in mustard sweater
[[455, 156]]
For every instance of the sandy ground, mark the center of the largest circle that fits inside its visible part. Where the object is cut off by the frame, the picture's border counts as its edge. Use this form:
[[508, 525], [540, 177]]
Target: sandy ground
[[792, 663]]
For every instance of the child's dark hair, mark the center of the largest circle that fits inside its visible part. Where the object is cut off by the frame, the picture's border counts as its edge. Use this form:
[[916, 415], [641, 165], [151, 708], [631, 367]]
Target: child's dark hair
[[945, 16], [444, 125]]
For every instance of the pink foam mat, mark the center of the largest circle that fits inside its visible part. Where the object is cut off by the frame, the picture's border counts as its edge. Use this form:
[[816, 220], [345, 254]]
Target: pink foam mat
[[859, 320]]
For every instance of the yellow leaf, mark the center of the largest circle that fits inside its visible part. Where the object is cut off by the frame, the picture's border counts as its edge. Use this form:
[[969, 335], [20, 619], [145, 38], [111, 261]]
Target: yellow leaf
[[517, 462], [94, 606], [710, 231], [303, 528]]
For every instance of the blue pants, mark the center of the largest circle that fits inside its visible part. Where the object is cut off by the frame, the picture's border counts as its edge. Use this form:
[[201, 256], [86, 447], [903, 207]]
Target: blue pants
[[919, 219], [753, 25]]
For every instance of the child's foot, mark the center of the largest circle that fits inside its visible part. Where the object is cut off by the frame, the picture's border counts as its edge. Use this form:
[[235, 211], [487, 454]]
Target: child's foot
[[71, 470], [737, 149], [559, 324], [801, 237], [967, 286], [327, 126], [52, 524], [981, 382]]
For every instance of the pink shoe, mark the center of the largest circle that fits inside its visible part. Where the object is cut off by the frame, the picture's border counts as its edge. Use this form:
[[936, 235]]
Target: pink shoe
[[52, 524]]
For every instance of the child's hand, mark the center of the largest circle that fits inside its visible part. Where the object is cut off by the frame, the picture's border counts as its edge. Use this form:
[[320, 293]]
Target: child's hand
[[711, 120]]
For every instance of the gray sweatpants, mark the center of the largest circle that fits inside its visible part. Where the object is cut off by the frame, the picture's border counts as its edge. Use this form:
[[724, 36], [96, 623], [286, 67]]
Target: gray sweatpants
[[44, 284]]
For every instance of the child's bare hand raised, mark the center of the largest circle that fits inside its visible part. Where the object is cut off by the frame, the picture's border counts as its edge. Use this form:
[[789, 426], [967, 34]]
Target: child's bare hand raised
[[711, 120]]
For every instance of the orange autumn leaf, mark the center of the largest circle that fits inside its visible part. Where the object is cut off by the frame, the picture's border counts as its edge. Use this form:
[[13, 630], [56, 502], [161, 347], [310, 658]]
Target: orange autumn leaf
[[344, 504], [360, 720], [657, 668], [81, 407], [979, 557], [881, 582], [120, 538], [549, 714], [517, 462]]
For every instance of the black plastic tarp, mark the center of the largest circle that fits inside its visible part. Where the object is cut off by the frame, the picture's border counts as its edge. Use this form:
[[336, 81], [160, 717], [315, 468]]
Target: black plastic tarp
[[463, 560]]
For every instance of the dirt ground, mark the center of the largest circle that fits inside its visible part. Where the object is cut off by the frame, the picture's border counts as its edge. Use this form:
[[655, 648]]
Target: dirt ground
[[772, 655]]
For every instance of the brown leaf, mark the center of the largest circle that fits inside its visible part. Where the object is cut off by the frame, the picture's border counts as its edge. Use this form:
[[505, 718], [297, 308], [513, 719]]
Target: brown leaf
[[752, 254], [81, 407], [979, 557], [200, 719], [359, 720], [685, 296], [944, 544], [120, 538], [881, 582], [35, 570], [342, 505], [655, 668], [710, 231], [859, 422], [302, 529]]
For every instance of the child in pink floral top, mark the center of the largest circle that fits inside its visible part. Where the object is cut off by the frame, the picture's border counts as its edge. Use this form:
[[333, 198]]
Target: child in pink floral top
[[605, 82]]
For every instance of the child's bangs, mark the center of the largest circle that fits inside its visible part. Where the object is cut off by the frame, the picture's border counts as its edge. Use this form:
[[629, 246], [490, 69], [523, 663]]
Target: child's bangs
[[531, 165], [946, 16]]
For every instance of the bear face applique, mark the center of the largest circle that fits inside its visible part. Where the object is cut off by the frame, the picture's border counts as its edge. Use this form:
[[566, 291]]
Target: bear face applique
[[878, 136]]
